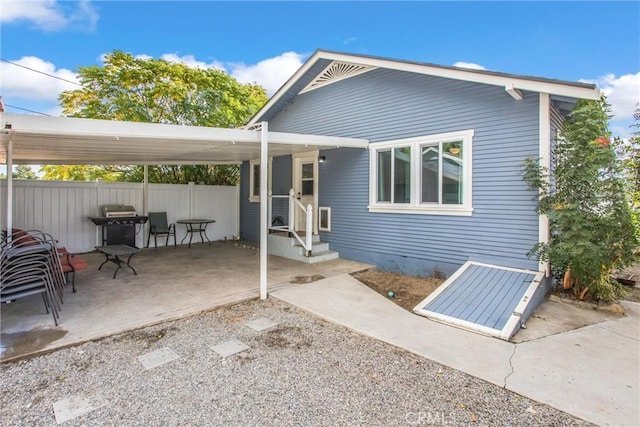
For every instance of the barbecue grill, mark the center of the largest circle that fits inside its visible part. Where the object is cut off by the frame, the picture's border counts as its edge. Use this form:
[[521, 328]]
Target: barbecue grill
[[119, 224]]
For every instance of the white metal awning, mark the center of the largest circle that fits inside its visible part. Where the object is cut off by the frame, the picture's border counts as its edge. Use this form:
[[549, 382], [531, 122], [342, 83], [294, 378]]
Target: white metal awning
[[65, 140]]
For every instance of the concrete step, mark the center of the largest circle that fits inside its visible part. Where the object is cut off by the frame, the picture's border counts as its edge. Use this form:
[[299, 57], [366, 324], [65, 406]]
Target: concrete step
[[316, 247], [322, 256], [288, 247]]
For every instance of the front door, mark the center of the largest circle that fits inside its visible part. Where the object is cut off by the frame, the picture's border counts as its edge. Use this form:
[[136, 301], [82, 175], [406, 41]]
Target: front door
[[305, 186]]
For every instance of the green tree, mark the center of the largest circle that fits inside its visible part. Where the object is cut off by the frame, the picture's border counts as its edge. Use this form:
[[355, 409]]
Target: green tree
[[24, 172], [158, 91], [592, 231], [80, 173]]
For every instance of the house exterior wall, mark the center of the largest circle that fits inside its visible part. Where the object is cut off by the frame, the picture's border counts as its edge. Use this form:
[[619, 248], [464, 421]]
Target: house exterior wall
[[250, 211], [384, 105]]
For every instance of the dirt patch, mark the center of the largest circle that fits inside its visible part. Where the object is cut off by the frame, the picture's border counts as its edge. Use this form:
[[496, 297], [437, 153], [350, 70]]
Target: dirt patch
[[633, 293], [146, 337], [286, 337], [408, 291]]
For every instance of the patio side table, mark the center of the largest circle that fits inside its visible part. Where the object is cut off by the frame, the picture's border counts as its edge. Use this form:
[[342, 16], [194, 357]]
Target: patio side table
[[113, 254], [196, 226]]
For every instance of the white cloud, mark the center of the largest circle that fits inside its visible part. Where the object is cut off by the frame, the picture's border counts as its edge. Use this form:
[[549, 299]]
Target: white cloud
[[49, 15], [191, 61], [270, 73], [19, 82], [623, 93], [23, 87], [350, 40], [470, 65]]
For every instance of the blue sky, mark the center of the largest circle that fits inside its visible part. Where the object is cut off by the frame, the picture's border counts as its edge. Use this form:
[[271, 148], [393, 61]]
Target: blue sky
[[266, 41]]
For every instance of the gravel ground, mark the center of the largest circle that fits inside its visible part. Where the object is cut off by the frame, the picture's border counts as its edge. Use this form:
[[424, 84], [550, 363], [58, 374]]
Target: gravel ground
[[303, 372]]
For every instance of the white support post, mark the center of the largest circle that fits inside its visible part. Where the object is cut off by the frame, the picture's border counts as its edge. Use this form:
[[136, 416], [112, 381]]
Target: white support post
[[9, 189], [292, 210], [145, 199], [264, 164], [545, 161], [309, 229]]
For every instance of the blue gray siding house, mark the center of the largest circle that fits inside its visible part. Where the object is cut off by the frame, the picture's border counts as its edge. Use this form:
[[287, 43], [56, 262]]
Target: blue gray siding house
[[441, 182]]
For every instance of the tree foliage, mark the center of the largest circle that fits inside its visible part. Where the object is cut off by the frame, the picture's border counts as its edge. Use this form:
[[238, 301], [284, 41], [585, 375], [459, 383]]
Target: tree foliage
[[24, 172], [158, 91], [590, 214], [80, 172]]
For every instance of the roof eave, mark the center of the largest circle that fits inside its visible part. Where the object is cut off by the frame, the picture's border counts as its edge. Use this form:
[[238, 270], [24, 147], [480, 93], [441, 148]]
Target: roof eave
[[508, 81]]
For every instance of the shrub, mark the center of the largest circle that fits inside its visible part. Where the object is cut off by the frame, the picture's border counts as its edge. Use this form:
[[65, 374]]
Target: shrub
[[592, 231]]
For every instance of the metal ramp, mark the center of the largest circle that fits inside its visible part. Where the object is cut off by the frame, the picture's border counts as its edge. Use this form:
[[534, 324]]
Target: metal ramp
[[487, 299]]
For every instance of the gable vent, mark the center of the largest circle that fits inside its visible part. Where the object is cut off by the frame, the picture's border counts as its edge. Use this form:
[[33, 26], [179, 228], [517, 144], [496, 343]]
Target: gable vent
[[335, 72]]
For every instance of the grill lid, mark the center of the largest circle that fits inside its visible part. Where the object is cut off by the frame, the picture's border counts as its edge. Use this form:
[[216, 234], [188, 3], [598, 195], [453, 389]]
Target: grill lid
[[110, 211]]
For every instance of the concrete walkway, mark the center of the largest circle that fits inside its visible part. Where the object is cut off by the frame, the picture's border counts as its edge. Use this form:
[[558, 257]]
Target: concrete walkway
[[591, 372]]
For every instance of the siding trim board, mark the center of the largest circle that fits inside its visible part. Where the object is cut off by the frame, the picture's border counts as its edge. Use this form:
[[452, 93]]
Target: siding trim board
[[545, 161], [485, 298]]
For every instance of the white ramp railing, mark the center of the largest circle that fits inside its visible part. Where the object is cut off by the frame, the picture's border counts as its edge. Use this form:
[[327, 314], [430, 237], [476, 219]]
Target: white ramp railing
[[295, 208]]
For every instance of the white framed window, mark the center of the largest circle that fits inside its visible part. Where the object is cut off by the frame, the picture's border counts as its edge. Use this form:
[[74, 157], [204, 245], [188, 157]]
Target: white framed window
[[254, 179], [424, 175], [324, 219]]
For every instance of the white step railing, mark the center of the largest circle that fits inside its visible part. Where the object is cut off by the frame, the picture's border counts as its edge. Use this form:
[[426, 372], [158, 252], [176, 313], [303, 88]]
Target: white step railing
[[295, 208]]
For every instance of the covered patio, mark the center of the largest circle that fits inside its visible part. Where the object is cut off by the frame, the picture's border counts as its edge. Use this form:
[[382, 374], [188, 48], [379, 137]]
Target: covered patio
[[172, 282]]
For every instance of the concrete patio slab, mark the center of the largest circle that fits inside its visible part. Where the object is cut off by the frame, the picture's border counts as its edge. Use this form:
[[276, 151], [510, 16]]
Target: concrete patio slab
[[591, 372], [72, 407], [157, 358], [261, 324], [229, 348]]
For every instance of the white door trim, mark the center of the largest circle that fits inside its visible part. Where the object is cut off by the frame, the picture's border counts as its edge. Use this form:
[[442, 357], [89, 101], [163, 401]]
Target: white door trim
[[297, 159]]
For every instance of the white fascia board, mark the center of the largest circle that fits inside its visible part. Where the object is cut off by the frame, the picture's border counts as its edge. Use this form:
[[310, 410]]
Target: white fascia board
[[458, 74], [61, 126], [284, 88], [477, 77], [316, 140]]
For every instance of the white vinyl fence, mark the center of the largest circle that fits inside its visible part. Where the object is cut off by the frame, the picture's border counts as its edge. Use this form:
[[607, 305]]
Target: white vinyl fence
[[62, 208]]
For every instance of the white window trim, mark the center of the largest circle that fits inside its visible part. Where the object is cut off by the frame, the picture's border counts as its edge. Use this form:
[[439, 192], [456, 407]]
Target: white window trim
[[256, 198], [415, 207], [328, 212]]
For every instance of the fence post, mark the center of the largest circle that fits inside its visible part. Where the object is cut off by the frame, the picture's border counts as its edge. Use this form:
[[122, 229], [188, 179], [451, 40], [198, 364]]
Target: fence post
[[100, 202], [269, 207], [192, 199]]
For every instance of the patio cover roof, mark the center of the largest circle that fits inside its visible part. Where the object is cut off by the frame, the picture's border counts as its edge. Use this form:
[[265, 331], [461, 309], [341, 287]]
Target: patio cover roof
[[65, 140], [27, 139]]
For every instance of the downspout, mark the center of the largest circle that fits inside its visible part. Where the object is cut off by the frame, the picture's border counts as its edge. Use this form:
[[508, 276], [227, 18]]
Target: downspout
[[264, 220]]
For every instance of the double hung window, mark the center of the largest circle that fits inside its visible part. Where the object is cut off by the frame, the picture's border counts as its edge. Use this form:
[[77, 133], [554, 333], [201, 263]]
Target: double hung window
[[430, 174]]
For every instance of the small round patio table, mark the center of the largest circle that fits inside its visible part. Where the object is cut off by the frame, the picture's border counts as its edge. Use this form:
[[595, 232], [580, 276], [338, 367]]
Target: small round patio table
[[196, 226]]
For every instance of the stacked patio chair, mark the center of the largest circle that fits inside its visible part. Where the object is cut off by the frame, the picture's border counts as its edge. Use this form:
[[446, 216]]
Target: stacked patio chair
[[30, 265]]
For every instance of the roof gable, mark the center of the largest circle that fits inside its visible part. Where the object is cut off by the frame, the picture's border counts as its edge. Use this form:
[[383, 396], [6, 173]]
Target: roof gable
[[336, 66]]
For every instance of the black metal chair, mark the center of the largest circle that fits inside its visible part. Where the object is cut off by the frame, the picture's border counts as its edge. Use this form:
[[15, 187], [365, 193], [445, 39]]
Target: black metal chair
[[29, 265], [159, 226]]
